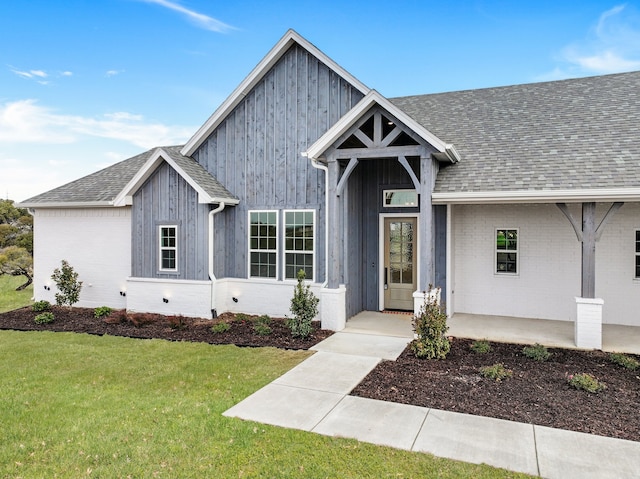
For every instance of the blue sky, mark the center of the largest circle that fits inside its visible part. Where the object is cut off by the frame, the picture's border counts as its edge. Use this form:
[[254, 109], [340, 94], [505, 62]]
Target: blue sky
[[87, 83]]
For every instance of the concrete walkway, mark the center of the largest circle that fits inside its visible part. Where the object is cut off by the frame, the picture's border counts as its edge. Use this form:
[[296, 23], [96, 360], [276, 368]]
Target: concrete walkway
[[314, 396]]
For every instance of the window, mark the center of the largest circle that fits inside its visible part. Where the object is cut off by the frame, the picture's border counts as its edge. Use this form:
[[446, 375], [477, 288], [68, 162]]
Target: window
[[168, 248], [299, 243], [263, 244], [507, 251], [638, 254], [400, 198]]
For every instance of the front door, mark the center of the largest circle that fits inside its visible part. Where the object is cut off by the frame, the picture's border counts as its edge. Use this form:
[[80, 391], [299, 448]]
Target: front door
[[399, 263]]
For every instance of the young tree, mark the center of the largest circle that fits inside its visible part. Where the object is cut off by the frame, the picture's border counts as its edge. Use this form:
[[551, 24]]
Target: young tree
[[69, 287], [304, 306], [16, 261]]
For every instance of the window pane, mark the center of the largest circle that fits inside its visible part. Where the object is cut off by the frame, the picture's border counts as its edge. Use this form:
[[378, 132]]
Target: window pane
[[637, 266], [638, 241], [296, 262]]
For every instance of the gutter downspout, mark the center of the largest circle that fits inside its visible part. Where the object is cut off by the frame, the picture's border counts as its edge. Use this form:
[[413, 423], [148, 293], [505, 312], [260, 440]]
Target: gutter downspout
[[212, 276], [324, 168]]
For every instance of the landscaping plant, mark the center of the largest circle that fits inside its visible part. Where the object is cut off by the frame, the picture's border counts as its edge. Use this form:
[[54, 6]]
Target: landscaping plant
[[304, 306], [102, 311], [481, 346], [69, 287], [537, 352], [430, 327], [40, 306], [587, 382], [220, 327], [43, 318], [625, 361], [496, 371]]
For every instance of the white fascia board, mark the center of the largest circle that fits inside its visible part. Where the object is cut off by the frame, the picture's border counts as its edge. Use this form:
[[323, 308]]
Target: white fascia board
[[255, 76], [540, 196], [125, 196], [68, 204], [373, 97]]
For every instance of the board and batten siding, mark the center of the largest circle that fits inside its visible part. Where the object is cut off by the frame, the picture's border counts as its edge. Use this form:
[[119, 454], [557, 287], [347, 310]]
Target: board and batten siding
[[255, 152], [167, 199], [362, 204]]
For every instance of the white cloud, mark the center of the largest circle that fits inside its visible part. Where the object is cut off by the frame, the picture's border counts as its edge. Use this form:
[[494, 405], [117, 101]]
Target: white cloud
[[112, 73], [612, 46], [25, 121], [200, 19]]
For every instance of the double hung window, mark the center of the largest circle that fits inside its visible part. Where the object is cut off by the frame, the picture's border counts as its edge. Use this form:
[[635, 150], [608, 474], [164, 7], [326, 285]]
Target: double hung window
[[638, 254], [298, 243], [168, 236], [263, 244], [506, 251]]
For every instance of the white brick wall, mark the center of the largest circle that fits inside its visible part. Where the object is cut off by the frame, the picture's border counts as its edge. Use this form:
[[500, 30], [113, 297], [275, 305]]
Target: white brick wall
[[550, 263], [95, 241]]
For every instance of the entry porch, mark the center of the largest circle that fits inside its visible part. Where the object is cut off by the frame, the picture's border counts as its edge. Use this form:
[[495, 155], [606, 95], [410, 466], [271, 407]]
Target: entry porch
[[551, 333]]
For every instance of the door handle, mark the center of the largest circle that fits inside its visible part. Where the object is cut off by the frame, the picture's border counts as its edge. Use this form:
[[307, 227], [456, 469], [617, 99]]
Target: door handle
[[386, 278]]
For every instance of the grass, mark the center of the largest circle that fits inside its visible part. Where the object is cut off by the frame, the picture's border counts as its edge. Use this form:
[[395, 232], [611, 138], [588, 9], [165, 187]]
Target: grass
[[11, 299], [75, 405]]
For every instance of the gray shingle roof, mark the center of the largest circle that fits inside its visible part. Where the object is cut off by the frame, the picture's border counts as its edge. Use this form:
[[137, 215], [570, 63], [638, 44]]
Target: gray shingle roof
[[200, 175], [102, 187], [99, 187], [571, 134]]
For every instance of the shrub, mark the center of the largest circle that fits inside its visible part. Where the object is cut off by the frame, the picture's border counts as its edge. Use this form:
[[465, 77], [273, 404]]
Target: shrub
[[430, 327], [241, 317], [262, 329], [537, 352], [265, 319], [220, 327], [40, 306], [625, 361], [102, 312], [481, 346], [304, 306], [176, 322], [586, 382], [69, 287], [46, 317], [496, 371]]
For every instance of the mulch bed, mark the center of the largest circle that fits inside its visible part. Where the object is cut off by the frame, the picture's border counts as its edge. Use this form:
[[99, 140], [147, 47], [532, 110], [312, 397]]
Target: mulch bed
[[538, 392], [172, 328]]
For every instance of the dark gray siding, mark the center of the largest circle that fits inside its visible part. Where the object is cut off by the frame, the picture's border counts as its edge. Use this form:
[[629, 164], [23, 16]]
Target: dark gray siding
[[166, 198], [364, 198], [255, 152], [440, 247]]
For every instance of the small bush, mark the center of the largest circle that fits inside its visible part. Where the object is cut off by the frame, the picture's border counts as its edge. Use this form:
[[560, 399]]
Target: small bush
[[496, 371], [102, 312], [220, 327], [264, 319], [241, 317], [44, 318], [140, 319], [625, 361], [304, 306], [537, 352], [481, 346], [586, 382], [176, 322], [40, 306], [430, 327], [262, 329]]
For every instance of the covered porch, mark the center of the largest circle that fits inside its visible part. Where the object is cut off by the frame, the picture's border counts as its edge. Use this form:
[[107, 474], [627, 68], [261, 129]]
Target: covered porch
[[551, 333]]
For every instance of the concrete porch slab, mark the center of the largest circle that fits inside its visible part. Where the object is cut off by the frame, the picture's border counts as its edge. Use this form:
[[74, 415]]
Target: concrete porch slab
[[567, 454], [329, 372], [377, 422], [386, 324], [478, 440], [285, 406], [385, 347]]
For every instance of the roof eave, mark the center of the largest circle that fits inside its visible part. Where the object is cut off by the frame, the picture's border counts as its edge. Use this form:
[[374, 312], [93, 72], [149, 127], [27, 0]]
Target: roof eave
[[67, 204], [537, 196], [254, 78]]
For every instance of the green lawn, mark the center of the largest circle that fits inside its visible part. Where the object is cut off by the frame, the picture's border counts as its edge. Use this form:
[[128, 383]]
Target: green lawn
[[74, 405], [9, 297]]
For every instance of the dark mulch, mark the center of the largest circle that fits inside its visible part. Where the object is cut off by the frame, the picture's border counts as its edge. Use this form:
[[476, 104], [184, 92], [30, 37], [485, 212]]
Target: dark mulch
[[538, 392], [172, 328]]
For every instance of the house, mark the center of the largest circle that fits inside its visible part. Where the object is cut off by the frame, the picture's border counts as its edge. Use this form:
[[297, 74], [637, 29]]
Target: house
[[519, 201]]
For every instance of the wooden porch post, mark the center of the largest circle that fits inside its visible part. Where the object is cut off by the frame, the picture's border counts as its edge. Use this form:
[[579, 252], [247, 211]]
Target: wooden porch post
[[425, 225], [333, 248], [588, 284]]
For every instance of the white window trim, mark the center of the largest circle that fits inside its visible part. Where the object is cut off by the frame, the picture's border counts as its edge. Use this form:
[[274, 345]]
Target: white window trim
[[384, 197], [496, 251], [167, 248], [636, 253], [251, 250], [285, 251]]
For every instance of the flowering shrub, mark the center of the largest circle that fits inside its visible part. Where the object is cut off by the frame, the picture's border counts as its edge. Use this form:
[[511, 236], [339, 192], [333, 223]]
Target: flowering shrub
[[625, 361], [586, 382]]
